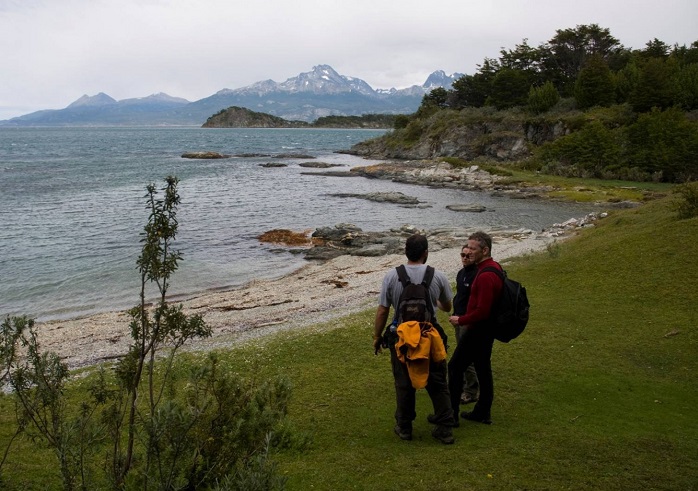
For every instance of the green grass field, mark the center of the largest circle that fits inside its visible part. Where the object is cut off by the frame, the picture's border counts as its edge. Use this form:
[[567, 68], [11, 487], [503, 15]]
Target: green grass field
[[600, 392]]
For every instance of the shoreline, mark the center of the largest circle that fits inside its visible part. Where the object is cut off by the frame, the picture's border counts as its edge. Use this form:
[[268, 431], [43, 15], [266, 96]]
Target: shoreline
[[314, 294]]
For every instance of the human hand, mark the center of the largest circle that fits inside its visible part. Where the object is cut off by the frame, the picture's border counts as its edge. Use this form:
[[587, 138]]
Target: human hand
[[377, 345], [453, 320]]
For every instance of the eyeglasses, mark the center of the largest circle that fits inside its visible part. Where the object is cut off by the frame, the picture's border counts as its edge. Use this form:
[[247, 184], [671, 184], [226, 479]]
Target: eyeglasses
[[463, 254]]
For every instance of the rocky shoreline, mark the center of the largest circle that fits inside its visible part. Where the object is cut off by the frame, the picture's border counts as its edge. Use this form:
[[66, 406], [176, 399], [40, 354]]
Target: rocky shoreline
[[343, 275]]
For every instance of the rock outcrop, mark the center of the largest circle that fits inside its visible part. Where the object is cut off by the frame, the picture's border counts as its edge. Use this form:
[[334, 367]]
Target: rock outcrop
[[348, 239], [204, 155], [395, 197], [453, 134], [430, 173]]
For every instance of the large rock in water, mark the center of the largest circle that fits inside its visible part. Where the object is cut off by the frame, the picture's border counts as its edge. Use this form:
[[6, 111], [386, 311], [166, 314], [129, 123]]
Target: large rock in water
[[473, 208], [204, 155]]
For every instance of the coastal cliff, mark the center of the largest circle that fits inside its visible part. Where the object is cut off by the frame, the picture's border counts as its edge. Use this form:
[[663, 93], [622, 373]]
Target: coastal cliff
[[463, 135]]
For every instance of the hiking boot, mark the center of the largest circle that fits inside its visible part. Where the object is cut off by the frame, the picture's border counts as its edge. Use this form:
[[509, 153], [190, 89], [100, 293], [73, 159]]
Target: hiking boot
[[431, 418], [472, 416], [466, 398], [403, 433], [444, 434]]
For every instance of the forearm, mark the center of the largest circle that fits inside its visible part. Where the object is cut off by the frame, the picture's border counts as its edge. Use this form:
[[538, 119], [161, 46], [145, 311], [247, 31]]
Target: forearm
[[445, 306], [380, 321]]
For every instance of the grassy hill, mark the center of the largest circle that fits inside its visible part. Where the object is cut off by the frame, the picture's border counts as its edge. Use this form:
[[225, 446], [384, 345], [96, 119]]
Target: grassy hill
[[598, 393]]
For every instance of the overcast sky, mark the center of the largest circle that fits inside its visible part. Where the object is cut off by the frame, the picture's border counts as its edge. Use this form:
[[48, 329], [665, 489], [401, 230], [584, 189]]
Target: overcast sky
[[55, 51]]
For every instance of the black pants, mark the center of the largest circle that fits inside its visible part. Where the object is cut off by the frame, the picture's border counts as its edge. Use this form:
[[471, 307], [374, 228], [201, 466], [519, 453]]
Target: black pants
[[474, 347], [405, 394]]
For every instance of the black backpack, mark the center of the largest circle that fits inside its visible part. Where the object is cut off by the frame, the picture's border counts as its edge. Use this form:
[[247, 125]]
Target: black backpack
[[415, 302], [510, 311]]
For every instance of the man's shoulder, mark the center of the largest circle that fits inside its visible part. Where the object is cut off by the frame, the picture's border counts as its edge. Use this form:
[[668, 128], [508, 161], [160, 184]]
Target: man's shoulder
[[489, 263], [490, 268]]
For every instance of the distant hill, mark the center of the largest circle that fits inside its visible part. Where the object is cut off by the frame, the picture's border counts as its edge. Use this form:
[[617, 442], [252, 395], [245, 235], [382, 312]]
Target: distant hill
[[306, 97], [240, 117]]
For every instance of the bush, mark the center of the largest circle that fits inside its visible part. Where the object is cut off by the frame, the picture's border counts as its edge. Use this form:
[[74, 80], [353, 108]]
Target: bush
[[664, 142], [401, 121], [585, 153], [543, 98], [688, 206]]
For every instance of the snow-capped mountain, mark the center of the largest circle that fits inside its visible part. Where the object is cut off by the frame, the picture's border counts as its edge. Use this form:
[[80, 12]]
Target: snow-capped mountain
[[100, 99], [439, 78], [305, 97]]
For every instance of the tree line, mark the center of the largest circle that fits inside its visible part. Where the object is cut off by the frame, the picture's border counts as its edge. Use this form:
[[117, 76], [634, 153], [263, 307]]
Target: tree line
[[638, 106], [586, 63]]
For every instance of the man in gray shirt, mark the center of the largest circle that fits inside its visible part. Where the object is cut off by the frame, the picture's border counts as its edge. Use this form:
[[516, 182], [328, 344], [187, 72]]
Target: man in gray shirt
[[417, 251]]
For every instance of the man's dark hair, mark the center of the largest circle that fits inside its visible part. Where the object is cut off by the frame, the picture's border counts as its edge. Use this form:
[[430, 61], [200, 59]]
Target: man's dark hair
[[415, 247], [483, 239]]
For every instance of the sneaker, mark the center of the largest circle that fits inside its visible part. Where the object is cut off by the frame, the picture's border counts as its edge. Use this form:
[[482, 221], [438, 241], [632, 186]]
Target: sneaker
[[471, 416], [444, 434], [466, 398], [403, 433]]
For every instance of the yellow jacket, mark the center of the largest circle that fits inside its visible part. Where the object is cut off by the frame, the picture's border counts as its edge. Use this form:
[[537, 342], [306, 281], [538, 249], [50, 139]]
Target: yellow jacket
[[417, 346]]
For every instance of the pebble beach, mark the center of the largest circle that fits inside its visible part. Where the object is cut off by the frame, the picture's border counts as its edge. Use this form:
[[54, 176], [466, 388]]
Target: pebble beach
[[312, 296]]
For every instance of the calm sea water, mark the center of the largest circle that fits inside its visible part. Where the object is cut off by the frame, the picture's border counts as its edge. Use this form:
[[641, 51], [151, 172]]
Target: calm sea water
[[72, 207]]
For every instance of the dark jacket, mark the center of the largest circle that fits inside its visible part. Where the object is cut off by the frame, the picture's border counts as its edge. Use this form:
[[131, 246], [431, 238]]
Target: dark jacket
[[464, 281]]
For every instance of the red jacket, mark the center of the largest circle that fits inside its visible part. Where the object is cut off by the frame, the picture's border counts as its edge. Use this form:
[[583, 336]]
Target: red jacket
[[485, 290]]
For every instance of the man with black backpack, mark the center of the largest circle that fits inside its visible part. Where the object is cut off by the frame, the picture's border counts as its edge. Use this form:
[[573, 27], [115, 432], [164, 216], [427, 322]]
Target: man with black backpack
[[400, 289], [477, 338]]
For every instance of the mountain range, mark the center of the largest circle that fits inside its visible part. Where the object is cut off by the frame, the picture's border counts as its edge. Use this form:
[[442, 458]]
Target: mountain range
[[306, 97]]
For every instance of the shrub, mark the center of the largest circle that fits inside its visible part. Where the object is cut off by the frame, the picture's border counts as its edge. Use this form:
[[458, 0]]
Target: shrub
[[401, 121], [585, 153], [666, 142], [687, 207], [543, 98]]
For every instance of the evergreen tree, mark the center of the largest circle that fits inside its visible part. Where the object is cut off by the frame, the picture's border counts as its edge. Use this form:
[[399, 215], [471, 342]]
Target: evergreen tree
[[525, 58], [686, 87], [509, 89], [473, 90], [594, 85], [625, 81], [655, 86], [566, 53], [655, 49]]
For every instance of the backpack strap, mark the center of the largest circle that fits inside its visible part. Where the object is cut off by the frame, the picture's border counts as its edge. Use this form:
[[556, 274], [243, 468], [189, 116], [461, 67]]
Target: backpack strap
[[502, 275], [428, 276], [405, 278]]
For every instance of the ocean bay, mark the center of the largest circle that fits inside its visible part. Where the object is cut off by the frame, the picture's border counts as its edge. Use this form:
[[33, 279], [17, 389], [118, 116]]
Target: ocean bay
[[72, 209]]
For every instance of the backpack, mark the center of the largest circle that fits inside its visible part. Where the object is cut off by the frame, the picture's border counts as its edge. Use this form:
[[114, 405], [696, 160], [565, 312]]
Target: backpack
[[415, 301], [510, 311]]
